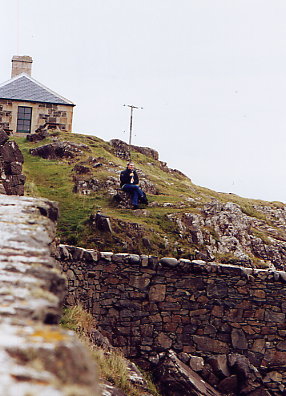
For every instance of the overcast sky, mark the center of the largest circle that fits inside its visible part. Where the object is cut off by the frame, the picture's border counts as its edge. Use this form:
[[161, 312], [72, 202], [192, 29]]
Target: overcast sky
[[210, 75]]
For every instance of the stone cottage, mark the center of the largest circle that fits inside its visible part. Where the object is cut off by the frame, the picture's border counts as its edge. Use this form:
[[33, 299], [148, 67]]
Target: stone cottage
[[27, 106]]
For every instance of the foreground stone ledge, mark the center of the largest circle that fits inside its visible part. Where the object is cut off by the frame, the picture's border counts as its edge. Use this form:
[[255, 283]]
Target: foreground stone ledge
[[37, 356]]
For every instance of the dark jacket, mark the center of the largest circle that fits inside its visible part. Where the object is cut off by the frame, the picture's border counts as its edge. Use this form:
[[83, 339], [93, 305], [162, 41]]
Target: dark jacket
[[125, 177]]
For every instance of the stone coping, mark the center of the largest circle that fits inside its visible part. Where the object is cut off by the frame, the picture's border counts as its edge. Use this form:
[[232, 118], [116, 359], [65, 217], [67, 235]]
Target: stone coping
[[73, 253]]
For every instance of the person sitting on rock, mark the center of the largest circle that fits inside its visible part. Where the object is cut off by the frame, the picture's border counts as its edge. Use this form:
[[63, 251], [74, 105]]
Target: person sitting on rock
[[129, 181]]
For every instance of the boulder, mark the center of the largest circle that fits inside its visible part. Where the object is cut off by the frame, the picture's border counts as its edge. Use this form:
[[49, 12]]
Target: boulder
[[122, 199], [147, 186], [248, 376], [229, 385], [196, 363], [58, 150], [177, 379], [219, 365], [81, 169], [102, 222], [3, 137], [37, 137]]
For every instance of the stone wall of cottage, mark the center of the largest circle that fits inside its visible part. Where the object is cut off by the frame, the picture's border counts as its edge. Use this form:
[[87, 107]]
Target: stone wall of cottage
[[43, 114], [147, 306]]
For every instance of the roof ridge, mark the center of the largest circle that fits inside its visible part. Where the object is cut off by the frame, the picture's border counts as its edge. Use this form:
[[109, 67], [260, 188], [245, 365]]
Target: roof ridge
[[42, 86]]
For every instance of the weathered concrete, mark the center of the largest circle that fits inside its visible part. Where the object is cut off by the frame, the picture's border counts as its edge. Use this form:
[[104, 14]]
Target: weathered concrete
[[37, 357]]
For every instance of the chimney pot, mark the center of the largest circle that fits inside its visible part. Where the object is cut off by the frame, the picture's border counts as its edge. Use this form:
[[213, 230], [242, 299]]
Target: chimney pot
[[21, 64]]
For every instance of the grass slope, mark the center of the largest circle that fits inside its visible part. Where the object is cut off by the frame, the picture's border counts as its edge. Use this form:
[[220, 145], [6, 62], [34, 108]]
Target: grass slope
[[152, 233]]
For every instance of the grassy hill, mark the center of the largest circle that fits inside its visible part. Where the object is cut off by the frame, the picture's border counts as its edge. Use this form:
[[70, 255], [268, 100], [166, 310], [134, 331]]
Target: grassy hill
[[161, 228]]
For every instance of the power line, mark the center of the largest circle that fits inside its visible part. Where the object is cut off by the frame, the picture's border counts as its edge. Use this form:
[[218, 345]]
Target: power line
[[131, 120]]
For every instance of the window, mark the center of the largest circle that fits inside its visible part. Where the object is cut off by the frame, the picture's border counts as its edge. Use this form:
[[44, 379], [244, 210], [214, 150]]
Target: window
[[24, 119]]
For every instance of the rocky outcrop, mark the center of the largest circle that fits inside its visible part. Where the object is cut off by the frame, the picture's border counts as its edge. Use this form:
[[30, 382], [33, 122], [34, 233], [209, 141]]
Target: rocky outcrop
[[224, 232], [122, 150], [11, 160], [87, 186], [59, 150], [38, 357], [122, 199]]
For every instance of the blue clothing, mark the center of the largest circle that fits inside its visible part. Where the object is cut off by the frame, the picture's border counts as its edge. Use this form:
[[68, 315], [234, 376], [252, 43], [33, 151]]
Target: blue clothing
[[135, 192]]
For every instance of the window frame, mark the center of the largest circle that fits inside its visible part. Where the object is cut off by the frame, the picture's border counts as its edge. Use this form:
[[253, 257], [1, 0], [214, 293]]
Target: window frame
[[24, 119]]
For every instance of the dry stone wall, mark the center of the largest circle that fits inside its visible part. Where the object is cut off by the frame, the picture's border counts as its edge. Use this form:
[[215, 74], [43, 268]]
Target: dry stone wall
[[37, 356], [11, 160], [147, 306]]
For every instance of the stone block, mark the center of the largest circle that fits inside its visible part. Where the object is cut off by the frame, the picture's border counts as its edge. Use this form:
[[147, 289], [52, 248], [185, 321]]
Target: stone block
[[140, 282], [119, 257], [144, 260], [169, 261], [218, 311], [219, 365], [238, 339], [259, 294], [106, 255], [218, 289], [207, 344], [196, 363], [276, 317], [133, 259], [91, 255], [275, 358], [259, 346], [281, 346], [157, 292], [229, 385], [164, 341]]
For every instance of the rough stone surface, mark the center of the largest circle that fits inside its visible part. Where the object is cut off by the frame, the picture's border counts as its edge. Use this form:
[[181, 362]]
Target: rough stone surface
[[122, 150], [11, 159], [38, 357], [59, 150], [37, 137], [102, 222], [226, 231], [209, 310], [90, 185], [122, 199], [177, 379]]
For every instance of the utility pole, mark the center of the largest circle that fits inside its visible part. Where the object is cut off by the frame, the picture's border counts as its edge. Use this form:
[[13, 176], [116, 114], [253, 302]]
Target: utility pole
[[131, 120]]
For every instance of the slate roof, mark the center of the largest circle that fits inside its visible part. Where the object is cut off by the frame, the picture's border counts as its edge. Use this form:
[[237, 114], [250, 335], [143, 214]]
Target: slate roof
[[25, 88]]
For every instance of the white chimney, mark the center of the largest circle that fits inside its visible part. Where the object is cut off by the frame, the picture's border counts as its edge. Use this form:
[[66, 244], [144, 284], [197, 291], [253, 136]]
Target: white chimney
[[21, 64]]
